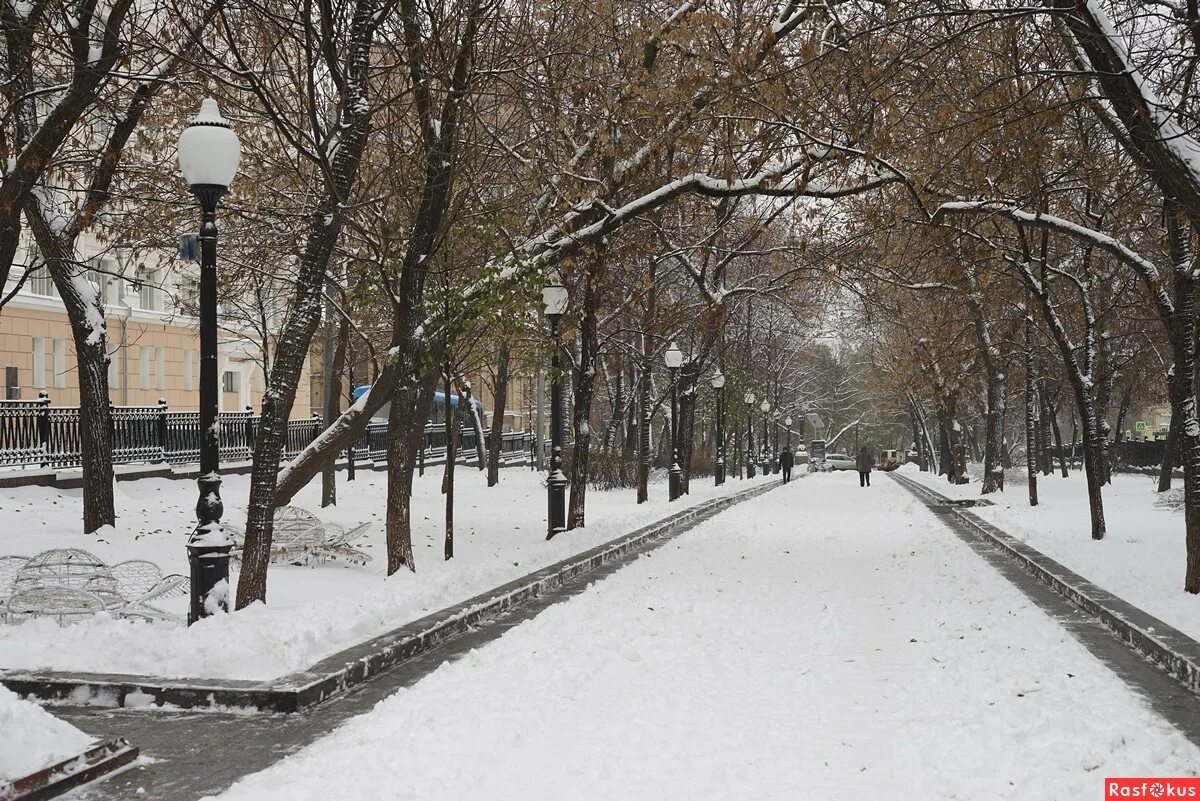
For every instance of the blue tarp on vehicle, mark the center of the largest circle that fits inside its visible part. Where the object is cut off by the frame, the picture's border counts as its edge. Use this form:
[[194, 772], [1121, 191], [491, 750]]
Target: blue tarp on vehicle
[[439, 399]]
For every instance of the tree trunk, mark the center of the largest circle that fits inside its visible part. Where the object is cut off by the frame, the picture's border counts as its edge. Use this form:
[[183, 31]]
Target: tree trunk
[[644, 432], [585, 388], [324, 228], [500, 403], [1058, 442], [1182, 387], [453, 426], [95, 410], [686, 428], [1031, 425], [333, 407], [411, 407], [1167, 469]]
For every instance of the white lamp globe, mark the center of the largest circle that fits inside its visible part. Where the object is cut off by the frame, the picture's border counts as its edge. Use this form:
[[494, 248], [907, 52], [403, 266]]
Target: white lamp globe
[[673, 357], [209, 150], [788, 421], [766, 406], [555, 298], [750, 398], [717, 380]]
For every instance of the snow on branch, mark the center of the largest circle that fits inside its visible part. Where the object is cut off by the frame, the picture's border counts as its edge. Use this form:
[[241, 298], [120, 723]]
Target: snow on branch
[[1145, 268]]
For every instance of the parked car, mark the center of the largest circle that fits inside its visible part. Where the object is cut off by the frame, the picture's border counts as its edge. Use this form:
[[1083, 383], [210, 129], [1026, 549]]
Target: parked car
[[839, 461]]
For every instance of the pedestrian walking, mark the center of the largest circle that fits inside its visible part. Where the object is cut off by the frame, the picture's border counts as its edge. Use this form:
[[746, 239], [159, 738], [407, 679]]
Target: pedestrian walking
[[864, 462], [786, 460]]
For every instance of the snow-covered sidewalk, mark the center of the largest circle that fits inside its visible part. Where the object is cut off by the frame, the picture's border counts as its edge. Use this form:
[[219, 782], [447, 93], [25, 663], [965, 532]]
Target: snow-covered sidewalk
[[823, 642], [312, 612], [1141, 559]]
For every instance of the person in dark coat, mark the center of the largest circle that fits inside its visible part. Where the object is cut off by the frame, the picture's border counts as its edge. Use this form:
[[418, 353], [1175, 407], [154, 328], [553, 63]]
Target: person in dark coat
[[864, 462], [786, 460]]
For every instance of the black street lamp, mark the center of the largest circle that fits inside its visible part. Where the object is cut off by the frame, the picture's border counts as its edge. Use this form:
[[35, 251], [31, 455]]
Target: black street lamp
[[718, 385], [209, 153], [788, 423], [749, 434], [766, 410], [554, 301], [674, 359]]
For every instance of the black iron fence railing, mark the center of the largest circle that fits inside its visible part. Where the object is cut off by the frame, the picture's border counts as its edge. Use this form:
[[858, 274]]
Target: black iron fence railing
[[37, 433]]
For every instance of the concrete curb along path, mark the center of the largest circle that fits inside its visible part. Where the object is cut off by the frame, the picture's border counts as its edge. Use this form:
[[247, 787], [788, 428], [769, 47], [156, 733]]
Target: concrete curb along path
[[333, 675], [1170, 649]]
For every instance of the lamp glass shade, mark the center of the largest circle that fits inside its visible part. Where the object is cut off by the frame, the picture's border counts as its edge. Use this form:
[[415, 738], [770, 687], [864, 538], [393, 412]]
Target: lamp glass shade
[[750, 399], [778, 414], [209, 150], [717, 380], [788, 421], [554, 299], [766, 406], [673, 357]]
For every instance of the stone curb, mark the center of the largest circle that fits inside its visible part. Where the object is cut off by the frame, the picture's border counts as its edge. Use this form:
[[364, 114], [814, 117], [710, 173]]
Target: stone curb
[[96, 762], [1172, 650], [335, 674]]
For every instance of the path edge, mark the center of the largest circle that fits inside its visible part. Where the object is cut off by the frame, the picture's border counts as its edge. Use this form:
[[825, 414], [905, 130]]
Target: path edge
[[335, 674], [1177, 654]]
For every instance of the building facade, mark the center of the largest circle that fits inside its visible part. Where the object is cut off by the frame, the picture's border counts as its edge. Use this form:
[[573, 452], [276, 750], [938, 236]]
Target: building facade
[[153, 347]]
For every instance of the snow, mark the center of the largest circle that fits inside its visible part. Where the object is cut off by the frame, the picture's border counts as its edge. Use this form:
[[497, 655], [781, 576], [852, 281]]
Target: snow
[[1141, 558], [774, 652], [313, 611], [32, 739]]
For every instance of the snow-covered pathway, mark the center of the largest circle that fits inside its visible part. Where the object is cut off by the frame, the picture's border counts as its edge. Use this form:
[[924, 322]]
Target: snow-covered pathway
[[819, 642]]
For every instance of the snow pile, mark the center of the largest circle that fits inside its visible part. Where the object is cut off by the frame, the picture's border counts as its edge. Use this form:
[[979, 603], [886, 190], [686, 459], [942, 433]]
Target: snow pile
[[820, 642], [32, 739], [312, 612]]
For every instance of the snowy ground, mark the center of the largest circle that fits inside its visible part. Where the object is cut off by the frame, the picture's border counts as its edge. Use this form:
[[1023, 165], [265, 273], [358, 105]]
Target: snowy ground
[[32, 739], [1140, 560], [311, 612], [820, 642]]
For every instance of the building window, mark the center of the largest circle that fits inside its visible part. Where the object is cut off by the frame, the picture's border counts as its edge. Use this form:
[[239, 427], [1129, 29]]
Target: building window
[[144, 366], [149, 293], [160, 368], [40, 283], [189, 381], [39, 363], [60, 363], [12, 384], [229, 381], [114, 366]]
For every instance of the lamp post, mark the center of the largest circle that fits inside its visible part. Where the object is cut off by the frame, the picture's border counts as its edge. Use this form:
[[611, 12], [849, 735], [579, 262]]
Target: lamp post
[[718, 385], [766, 410], [209, 152], [749, 434], [788, 423], [674, 360], [554, 301]]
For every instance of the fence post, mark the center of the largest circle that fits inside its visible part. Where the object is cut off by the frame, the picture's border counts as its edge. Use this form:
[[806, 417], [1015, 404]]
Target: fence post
[[250, 429], [161, 427], [43, 426], [112, 425]]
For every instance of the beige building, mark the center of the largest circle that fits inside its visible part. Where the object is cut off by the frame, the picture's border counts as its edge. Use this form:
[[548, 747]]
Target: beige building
[[153, 348]]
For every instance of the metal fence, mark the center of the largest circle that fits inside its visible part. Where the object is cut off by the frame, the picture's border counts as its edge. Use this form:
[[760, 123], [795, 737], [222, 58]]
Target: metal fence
[[38, 434], [1127, 454]]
